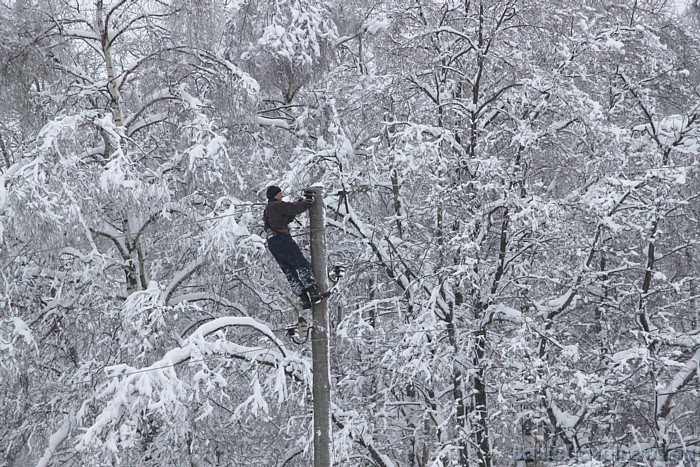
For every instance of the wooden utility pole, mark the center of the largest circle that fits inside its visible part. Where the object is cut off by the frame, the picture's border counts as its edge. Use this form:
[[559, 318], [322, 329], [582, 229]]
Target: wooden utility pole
[[323, 447]]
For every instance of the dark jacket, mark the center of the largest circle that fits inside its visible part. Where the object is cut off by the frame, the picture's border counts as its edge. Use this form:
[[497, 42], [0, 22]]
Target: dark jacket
[[279, 214]]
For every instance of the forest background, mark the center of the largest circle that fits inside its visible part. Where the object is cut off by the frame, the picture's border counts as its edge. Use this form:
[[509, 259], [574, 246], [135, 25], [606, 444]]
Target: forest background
[[511, 185]]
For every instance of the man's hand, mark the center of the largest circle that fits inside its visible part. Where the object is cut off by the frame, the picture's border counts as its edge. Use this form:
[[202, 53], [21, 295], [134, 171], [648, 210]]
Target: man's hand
[[309, 195]]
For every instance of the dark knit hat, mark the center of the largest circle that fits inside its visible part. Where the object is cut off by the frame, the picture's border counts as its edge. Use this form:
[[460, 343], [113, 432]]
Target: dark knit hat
[[272, 191]]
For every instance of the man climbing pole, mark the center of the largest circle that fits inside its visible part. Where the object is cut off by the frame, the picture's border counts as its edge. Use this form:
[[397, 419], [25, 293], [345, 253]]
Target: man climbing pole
[[277, 216]]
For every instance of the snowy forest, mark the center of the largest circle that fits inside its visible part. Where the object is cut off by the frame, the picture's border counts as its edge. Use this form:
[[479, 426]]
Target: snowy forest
[[511, 186]]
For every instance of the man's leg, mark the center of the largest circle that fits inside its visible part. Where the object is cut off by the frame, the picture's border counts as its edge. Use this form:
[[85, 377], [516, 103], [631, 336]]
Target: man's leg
[[306, 275], [279, 247], [287, 249], [304, 272], [291, 274]]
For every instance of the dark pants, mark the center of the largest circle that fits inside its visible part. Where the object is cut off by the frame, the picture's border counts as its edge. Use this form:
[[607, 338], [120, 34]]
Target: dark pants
[[295, 266]]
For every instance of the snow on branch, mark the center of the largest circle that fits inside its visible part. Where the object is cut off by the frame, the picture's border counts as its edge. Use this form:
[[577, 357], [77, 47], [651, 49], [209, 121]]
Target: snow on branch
[[227, 233], [60, 127], [192, 297], [245, 80], [500, 312], [180, 277], [55, 441], [133, 396], [684, 376], [12, 330], [550, 308], [359, 434], [274, 122], [387, 253], [380, 248], [80, 34]]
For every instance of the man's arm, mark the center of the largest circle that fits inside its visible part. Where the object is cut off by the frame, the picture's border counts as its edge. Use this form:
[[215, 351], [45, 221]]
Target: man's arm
[[294, 208]]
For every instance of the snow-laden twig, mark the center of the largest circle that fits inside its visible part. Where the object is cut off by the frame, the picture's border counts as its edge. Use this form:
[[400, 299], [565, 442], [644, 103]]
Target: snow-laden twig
[[55, 440], [362, 438], [684, 376], [500, 312], [180, 277], [157, 390], [383, 250]]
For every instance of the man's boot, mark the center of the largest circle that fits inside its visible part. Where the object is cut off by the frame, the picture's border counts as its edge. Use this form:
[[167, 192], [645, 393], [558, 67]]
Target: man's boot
[[305, 302], [314, 296]]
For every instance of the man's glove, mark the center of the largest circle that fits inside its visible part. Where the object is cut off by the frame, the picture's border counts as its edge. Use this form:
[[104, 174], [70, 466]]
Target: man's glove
[[309, 195]]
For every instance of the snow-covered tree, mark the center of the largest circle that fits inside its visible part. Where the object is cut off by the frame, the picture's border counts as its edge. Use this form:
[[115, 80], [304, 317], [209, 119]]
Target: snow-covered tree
[[512, 188]]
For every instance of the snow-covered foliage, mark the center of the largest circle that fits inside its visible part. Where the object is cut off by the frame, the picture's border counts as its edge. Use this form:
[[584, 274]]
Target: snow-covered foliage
[[156, 399], [513, 188]]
